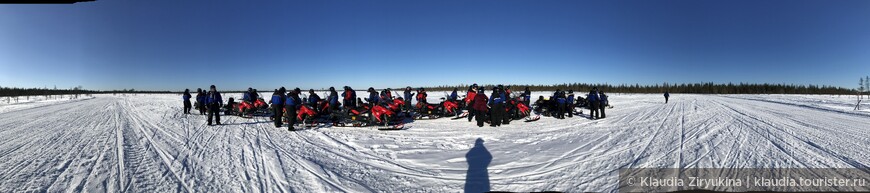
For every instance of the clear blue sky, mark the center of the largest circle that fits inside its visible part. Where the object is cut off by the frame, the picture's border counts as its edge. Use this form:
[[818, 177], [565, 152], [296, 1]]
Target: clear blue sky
[[172, 45]]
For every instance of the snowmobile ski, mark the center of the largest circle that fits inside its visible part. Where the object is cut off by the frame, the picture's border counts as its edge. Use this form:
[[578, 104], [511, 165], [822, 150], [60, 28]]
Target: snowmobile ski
[[463, 115], [532, 119], [392, 127]]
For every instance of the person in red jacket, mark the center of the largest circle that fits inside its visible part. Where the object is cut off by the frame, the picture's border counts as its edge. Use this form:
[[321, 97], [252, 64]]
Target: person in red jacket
[[480, 108], [469, 101], [421, 99]]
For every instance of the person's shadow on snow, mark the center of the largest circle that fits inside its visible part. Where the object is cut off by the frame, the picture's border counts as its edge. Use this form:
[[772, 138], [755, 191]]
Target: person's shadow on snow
[[477, 178]]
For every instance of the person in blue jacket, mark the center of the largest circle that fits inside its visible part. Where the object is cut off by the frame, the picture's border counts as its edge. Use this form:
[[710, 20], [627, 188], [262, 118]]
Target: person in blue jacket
[[527, 96], [570, 103], [246, 97], [200, 101], [496, 103], [277, 102], [313, 98], [408, 96], [349, 97], [453, 95], [373, 96], [291, 104], [333, 99], [560, 104], [602, 100], [277, 105], [214, 102], [186, 97], [333, 104], [594, 104], [504, 93]]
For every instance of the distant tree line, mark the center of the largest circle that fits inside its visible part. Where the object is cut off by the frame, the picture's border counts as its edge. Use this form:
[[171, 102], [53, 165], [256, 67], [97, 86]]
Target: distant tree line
[[700, 88], [13, 91]]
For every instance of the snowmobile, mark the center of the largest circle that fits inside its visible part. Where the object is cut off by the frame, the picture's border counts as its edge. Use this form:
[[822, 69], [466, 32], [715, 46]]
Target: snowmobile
[[581, 103], [429, 111], [369, 115], [545, 107], [518, 110], [451, 108], [229, 108], [397, 106], [249, 109]]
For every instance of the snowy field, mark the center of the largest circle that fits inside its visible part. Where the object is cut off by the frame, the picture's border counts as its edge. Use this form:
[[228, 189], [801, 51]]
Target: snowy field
[[143, 143]]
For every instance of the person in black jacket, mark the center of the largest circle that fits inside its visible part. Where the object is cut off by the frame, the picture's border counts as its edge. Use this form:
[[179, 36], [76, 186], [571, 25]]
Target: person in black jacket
[[214, 102], [186, 97]]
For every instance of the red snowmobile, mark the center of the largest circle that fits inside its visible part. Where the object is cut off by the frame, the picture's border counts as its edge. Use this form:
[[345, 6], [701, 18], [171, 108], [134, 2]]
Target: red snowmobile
[[429, 111], [451, 108], [370, 115], [518, 110], [248, 109]]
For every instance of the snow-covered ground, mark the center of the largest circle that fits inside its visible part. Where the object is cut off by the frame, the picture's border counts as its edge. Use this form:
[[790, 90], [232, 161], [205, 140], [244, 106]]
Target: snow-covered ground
[[144, 144]]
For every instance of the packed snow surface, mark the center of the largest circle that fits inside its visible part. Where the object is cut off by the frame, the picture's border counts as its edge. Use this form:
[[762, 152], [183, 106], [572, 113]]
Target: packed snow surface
[[143, 143]]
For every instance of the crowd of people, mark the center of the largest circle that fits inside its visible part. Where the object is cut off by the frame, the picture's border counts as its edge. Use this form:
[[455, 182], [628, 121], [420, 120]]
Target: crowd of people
[[206, 102], [496, 109]]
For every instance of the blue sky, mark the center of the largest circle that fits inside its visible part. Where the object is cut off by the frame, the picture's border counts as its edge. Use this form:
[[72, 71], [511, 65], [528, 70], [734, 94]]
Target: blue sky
[[172, 45]]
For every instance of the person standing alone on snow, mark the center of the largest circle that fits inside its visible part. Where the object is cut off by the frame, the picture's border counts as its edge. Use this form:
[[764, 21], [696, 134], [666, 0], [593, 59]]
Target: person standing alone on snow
[[186, 97], [667, 95], [214, 102]]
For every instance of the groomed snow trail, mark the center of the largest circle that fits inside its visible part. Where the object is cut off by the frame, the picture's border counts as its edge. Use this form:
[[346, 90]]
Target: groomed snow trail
[[144, 144]]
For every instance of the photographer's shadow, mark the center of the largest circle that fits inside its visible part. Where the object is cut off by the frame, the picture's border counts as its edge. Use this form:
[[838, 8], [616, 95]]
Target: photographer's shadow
[[477, 178]]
